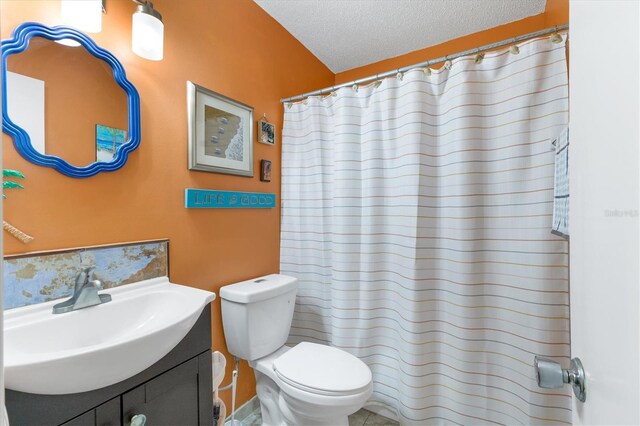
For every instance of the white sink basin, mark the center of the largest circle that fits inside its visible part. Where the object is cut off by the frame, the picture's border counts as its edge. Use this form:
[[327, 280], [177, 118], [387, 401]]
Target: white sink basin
[[101, 345]]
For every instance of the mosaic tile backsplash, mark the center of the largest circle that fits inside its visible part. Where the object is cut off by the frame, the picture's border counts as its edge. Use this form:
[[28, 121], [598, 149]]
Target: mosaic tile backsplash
[[48, 276]]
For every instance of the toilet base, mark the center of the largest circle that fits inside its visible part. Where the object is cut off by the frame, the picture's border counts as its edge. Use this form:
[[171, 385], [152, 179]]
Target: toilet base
[[279, 409]]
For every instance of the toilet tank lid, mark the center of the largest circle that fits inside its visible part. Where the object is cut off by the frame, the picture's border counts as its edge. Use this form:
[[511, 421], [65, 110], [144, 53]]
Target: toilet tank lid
[[257, 289]]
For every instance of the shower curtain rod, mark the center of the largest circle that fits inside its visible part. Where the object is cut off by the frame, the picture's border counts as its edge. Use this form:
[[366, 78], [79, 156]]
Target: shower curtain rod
[[430, 62]]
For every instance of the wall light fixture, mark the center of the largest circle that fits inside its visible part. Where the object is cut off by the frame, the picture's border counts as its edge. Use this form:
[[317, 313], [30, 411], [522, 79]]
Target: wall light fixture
[[83, 15], [147, 38]]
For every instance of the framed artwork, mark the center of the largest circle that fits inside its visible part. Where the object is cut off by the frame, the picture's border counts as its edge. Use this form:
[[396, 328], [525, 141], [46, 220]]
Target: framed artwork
[[220, 133], [266, 132], [265, 170], [108, 140]]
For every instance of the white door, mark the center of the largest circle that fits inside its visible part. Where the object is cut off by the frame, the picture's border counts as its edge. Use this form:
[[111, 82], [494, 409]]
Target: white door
[[604, 50]]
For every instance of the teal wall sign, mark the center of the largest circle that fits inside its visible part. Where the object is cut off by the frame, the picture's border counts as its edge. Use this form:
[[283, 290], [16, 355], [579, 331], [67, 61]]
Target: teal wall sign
[[209, 199]]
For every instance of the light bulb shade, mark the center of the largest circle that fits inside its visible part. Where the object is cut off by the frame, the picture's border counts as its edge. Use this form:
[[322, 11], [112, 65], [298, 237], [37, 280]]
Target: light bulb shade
[[84, 15], [68, 42], [147, 38]]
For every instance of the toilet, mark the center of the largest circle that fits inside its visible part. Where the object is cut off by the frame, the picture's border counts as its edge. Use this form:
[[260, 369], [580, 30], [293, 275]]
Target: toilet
[[307, 384]]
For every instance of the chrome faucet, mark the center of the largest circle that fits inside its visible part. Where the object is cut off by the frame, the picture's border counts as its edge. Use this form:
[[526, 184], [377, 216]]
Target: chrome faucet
[[85, 293]]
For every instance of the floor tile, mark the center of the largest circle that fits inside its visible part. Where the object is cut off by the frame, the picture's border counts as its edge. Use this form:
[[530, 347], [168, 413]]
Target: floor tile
[[255, 419], [358, 418], [378, 420]]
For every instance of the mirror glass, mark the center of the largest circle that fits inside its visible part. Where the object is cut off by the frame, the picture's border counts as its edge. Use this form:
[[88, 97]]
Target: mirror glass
[[68, 102]]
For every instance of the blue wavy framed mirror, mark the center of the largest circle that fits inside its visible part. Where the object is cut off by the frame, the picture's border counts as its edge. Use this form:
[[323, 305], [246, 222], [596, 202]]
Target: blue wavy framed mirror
[[66, 102]]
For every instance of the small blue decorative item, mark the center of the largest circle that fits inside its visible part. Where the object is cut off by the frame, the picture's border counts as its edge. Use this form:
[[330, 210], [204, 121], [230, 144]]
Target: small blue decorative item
[[210, 199], [18, 42]]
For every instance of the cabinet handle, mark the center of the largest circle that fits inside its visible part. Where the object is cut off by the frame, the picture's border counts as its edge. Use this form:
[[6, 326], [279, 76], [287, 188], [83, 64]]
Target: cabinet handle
[[138, 420]]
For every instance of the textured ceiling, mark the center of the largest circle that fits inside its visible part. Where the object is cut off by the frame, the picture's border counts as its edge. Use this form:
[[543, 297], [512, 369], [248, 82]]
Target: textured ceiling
[[346, 34]]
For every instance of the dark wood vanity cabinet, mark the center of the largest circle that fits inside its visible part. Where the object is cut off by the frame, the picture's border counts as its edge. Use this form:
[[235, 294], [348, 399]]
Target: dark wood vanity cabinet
[[175, 391], [172, 398], [107, 414]]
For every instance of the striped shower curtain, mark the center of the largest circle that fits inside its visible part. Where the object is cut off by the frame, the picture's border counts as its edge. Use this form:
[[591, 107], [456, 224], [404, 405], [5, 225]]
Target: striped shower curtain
[[416, 213]]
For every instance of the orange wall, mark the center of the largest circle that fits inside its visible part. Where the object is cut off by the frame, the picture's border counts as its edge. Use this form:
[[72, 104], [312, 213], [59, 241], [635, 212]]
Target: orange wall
[[230, 46], [556, 13]]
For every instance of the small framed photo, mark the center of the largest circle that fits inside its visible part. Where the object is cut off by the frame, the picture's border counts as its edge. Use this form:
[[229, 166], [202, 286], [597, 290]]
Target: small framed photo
[[220, 133], [108, 140], [265, 170], [266, 132]]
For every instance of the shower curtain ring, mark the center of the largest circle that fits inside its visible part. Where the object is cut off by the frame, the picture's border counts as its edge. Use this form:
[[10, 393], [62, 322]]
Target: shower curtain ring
[[447, 62], [555, 37]]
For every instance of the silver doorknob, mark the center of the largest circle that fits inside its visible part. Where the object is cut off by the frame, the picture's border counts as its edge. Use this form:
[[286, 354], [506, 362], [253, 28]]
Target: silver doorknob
[[551, 375]]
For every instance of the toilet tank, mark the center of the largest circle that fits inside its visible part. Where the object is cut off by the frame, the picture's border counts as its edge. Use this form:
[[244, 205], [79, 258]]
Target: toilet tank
[[257, 314]]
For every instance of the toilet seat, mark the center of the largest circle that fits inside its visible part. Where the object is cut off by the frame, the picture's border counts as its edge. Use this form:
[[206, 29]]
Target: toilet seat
[[322, 370]]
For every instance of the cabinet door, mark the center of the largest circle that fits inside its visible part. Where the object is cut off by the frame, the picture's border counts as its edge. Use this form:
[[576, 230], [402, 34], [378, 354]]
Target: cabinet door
[[107, 414], [86, 419], [170, 399]]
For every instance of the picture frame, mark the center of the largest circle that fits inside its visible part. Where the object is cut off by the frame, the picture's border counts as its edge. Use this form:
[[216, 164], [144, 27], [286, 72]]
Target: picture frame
[[266, 132], [220, 133], [265, 170], [108, 140]]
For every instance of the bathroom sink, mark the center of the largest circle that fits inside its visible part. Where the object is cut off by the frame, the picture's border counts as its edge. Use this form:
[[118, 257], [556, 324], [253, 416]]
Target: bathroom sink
[[101, 345]]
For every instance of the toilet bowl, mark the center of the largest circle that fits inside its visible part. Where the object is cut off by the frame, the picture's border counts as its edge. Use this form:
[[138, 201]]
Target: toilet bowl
[[311, 384], [307, 384]]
